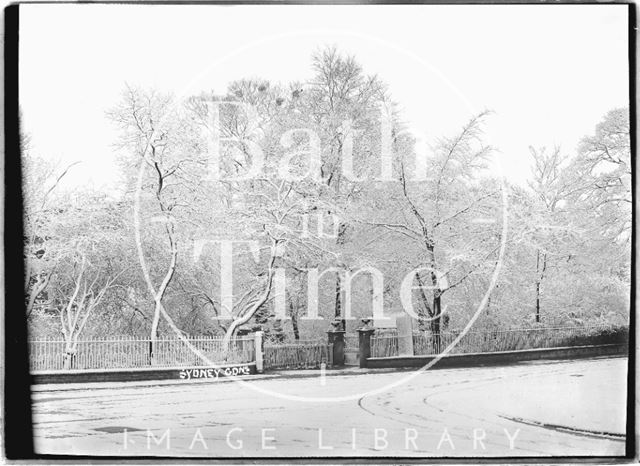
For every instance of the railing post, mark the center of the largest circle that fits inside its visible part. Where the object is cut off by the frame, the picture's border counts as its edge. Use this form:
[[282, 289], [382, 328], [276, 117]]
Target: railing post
[[258, 351], [364, 342], [336, 342]]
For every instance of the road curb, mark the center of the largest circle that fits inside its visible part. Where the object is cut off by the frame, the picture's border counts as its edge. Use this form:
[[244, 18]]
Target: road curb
[[274, 375]]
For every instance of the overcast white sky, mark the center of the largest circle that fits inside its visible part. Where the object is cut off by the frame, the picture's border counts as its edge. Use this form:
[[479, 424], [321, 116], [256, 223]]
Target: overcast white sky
[[548, 72]]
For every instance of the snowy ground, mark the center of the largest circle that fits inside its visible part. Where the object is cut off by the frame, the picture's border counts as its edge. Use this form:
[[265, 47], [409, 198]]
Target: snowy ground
[[530, 409]]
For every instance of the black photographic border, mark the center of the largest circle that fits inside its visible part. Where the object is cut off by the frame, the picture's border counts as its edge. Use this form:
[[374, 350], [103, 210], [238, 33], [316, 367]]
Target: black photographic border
[[16, 380]]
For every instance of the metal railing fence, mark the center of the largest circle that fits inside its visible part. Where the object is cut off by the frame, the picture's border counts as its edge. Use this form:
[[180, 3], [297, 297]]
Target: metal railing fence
[[302, 354], [124, 352], [427, 343]]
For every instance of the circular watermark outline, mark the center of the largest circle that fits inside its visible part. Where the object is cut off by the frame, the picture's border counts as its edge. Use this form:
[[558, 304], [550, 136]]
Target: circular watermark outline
[[243, 381]]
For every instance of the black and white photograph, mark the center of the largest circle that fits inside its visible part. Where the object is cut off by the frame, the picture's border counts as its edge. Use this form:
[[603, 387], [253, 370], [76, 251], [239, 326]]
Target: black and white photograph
[[324, 232]]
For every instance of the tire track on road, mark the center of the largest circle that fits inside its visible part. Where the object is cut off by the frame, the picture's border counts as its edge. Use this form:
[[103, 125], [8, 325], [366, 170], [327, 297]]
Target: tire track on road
[[397, 413]]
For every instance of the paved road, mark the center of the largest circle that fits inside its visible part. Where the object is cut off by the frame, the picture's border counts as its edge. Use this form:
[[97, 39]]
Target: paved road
[[529, 409]]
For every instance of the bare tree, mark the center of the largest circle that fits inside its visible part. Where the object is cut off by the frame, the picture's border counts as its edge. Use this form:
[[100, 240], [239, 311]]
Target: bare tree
[[86, 293], [343, 101], [436, 217], [153, 137], [603, 163], [553, 186], [41, 180]]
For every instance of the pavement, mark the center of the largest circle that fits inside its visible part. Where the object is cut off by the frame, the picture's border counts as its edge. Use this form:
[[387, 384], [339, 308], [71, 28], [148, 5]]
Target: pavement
[[271, 374], [546, 408]]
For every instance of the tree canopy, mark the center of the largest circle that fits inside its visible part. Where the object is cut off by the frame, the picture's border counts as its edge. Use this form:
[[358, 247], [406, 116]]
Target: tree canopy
[[236, 204]]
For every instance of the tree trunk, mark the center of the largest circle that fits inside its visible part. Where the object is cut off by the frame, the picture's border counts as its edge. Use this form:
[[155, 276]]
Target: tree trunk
[[67, 360], [435, 323], [437, 297], [426, 314], [161, 291], [540, 271], [245, 316], [338, 305], [294, 322], [154, 331], [36, 290], [69, 353], [338, 308], [537, 302]]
